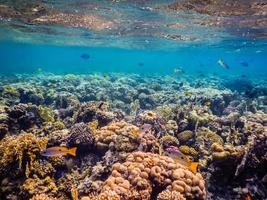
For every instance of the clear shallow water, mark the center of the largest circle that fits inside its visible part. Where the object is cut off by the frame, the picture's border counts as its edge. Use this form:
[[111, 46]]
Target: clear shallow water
[[136, 63], [133, 36]]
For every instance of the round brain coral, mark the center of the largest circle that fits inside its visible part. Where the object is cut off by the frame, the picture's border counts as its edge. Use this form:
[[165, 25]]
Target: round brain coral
[[121, 135], [144, 172]]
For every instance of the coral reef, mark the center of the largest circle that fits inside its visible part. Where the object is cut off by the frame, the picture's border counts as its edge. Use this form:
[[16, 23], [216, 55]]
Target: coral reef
[[121, 126], [144, 172]]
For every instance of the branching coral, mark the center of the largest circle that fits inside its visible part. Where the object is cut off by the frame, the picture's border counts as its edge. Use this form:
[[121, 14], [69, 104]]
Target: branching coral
[[21, 151], [34, 186], [144, 172]]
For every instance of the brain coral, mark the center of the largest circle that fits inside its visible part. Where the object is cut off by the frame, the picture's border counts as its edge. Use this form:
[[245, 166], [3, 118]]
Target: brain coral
[[80, 135], [144, 172], [120, 135]]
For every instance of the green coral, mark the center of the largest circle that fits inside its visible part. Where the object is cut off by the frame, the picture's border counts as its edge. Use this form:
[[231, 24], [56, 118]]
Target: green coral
[[10, 91], [168, 140], [185, 136], [46, 114], [59, 125], [188, 150], [21, 151]]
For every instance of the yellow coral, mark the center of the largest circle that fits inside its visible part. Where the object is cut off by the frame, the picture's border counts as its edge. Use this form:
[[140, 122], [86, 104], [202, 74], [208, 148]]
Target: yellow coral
[[16, 149], [185, 136], [12, 91], [42, 197], [46, 114], [188, 150], [35, 186]]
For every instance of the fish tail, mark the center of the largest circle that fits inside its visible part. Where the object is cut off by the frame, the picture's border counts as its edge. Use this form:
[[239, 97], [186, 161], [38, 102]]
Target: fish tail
[[72, 151], [193, 167]]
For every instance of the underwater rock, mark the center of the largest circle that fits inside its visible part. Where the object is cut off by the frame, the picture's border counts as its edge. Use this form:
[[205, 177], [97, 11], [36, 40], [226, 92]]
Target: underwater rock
[[144, 172]]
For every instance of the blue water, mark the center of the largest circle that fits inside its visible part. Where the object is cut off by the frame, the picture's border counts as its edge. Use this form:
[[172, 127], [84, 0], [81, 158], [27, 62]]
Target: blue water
[[30, 58]]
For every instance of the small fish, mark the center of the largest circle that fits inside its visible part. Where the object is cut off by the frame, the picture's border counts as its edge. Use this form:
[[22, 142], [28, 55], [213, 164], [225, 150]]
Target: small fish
[[207, 103], [244, 64], [223, 64], [141, 64], [59, 151], [85, 56], [243, 76], [145, 128], [248, 197], [178, 156], [178, 70], [106, 76], [188, 94]]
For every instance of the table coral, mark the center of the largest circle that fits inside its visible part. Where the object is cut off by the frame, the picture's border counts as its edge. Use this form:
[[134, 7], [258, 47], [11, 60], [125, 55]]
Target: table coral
[[144, 172]]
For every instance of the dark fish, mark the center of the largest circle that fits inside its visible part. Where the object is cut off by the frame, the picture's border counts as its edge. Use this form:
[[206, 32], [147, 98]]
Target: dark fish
[[141, 64], [85, 56], [243, 76], [244, 64]]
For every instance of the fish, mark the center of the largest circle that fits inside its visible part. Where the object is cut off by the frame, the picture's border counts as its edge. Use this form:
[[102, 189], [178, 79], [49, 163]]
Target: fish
[[106, 77], [248, 197], [85, 56], [188, 94], [244, 64], [207, 103], [141, 64], [145, 128], [58, 151], [179, 157], [178, 70], [223, 64]]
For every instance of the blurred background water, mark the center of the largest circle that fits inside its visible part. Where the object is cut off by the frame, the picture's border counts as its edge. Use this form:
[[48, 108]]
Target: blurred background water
[[148, 37]]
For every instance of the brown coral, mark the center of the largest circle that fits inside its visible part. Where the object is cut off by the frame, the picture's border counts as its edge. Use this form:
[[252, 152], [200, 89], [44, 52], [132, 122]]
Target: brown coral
[[42, 197], [120, 135], [144, 172], [34, 186], [21, 150], [170, 195]]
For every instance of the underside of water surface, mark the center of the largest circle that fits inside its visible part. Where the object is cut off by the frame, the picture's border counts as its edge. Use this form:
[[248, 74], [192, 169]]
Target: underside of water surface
[[133, 100]]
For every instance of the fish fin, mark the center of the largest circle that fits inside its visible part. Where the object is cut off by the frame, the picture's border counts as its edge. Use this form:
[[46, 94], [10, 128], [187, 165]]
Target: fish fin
[[193, 167], [72, 151]]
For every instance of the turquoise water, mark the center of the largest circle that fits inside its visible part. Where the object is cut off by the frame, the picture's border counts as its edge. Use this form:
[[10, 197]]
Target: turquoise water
[[156, 99], [30, 58]]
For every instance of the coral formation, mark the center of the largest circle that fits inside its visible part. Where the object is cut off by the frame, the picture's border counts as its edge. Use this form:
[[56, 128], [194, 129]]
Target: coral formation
[[121, 127], [144, 172]]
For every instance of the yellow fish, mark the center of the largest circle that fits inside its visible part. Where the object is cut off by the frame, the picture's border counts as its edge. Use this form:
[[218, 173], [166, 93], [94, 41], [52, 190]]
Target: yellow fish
[[178, 156], [59, 151], [207, 103], [188, 94]]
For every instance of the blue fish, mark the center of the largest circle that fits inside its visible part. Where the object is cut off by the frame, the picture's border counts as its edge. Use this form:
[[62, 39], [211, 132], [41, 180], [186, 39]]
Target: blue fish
[[85, 56], [244, 64], [141, 64]]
